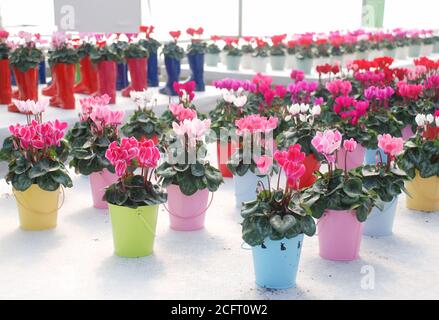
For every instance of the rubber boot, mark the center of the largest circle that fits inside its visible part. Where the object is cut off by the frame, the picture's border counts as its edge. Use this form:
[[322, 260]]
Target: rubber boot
[[65, 84], [42, 72], [5, 82], [55, 99], [27, 83], [107, 79], [137, 68], [122, 76], [196, 64], [50, 90], [153, 72], [173, 72], [84, 84]]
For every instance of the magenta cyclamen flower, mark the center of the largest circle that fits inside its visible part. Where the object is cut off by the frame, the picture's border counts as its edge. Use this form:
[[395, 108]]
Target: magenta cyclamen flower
[[339, 87], [350, 145], [291, 161], [327, 143]]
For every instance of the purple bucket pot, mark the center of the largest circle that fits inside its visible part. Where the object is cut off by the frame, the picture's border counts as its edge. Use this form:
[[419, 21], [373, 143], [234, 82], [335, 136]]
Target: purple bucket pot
[[187, 213], [99, 181], [354, 159]]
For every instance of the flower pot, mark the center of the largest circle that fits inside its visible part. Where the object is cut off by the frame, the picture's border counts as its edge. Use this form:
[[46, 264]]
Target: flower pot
[[305, 65], [223, 57], [311, 165], [27, 83], [138, 75], [407, 132], [426, 50], [99, 181], [277, 63], [232, 62], [380, 223], [122, 76], [5, 82], [291, 61], [42, 72], [436, 47], [276, 268], [173, 69], [153, 70], [246, 61], [107, 79], [339, 233], [212, 59], [224, 151], [423, 193], [133, 230], [371, 155], [37, 208], [415, 51], [362, 55], [259, 64], [353, 160], [402, 52], [245, 187], [390, 52], [187, 213]]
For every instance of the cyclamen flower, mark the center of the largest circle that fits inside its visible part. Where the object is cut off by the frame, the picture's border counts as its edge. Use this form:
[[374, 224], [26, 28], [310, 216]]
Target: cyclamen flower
[[350, 145], [390, 145], [409, 91], [327, 143], [194, 129], [103, 116], [182, 113], [291, 161], [339, 87], [185, 90], [87, 105], [255, 123], [297, 75], [30, 106], [143, 98], [264, 163]]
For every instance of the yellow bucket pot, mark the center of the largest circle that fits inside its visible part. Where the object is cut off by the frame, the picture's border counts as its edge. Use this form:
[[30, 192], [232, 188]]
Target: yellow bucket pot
[[424, 193], [37, 208]]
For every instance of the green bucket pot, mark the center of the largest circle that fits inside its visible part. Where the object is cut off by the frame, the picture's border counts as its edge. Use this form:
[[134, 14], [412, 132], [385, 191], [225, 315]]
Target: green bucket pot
[[133, 230]]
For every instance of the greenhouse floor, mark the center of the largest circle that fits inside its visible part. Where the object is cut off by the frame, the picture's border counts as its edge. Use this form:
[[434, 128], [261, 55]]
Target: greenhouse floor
[[76, 260]]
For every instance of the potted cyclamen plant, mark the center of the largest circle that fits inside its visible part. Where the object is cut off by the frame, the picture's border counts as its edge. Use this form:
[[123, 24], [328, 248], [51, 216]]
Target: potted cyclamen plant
[[420, 161], [415, 44], [348, 48], [187, 176], [322, 51], [89, 139], [5, 73], [152, 46], [304, 55], [387, 181], [63, 60], [135, 197], [106, 57], [337, 42], [36, 153], [255, 139], [402, 44], [340, 202], [275, 222], [363, 46], [136, 57], [233, 54], [195, 55], [213, 52], [232, 106], [143, 123], [260, 56], [247, 52], [173, 54], [389, 45], [277, 52], [24, 61]]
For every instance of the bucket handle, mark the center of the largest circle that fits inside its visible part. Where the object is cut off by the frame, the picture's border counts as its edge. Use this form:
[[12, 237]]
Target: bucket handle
[[145, 223], [41, 212], [191, 217], [245, 246], [318, 221]]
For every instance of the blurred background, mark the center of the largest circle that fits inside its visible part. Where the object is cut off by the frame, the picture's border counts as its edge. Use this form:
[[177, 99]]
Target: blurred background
[[225, 17]]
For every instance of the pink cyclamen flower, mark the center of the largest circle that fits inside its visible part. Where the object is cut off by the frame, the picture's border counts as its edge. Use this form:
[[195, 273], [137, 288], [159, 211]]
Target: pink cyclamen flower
[[327, 143], [255, 123], [390, 145], [291, 161], [350, 145], [264, 163]]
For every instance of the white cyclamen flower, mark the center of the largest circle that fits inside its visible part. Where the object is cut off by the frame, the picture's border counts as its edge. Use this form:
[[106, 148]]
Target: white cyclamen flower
[[304, 108], [294, 109], [228, 96], [316, 110], [240, 101], [420, 119], [430, 118], [303, 117]]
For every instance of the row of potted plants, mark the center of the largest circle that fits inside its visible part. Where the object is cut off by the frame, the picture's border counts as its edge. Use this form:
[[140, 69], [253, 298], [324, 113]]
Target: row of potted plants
[[303, 51]]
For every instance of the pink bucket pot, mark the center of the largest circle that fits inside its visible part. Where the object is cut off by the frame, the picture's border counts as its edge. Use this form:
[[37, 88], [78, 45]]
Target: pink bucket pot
[[187, 213], [99, 181], [339, 234], [354, 159]]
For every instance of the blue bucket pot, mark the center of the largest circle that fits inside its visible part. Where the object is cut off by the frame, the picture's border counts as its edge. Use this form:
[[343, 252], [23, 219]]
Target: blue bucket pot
[[245, 187], [371, 154], [380, 223], [276, 263]]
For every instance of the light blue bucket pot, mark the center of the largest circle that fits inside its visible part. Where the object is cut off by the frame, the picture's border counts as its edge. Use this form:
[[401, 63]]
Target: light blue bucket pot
[[415, 51], [380, 223], [276, 268], [305, 65], [245, 187], [371, 154]]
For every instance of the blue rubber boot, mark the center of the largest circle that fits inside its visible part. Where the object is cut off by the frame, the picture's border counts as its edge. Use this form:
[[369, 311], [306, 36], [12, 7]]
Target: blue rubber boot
[[42, 72], [173, 67], [196, 63], [122, 76], [153, 72]]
